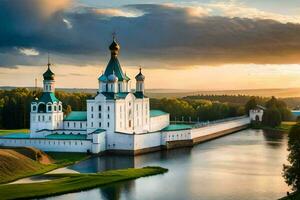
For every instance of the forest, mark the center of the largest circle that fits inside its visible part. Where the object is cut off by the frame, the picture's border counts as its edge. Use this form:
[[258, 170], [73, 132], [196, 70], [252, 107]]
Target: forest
[[15, 106]]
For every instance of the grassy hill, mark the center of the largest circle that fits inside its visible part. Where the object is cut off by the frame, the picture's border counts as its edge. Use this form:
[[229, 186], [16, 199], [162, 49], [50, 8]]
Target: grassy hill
[[16, 163], [21, 162]]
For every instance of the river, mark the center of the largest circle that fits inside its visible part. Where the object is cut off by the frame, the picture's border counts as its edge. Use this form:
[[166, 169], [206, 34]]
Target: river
[[244, 165]]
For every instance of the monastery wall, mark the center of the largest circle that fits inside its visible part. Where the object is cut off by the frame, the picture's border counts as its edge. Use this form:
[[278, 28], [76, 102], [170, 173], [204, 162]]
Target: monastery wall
[[50, 145], [219, 127]]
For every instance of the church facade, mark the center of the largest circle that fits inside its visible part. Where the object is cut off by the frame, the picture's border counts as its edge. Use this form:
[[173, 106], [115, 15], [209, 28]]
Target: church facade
[[117, 120], [113, 118]]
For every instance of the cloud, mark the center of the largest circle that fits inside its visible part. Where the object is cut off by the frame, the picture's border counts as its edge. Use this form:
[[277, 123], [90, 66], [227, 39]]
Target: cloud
[[29, 52], [151, 35], [115, 12]]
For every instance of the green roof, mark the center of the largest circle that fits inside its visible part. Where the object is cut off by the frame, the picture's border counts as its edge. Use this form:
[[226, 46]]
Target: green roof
[[66, 137], [155, 113], [98, 131], [16, 136], [176, 127], [76, 116], [114, 67], [47, 97]]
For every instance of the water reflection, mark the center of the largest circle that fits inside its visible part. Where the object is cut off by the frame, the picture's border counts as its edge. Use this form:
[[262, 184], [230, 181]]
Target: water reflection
[[244, 165], [274, 138]]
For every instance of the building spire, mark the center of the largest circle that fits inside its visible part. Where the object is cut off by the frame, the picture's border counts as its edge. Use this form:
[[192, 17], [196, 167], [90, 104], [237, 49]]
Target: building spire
[[48, 64]]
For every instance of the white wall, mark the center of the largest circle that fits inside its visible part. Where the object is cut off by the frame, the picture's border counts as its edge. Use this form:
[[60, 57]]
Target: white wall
[[142, 141], [214, 128], [119, 141], [176, 135], [50, 145], [159, 122], [79, 125]]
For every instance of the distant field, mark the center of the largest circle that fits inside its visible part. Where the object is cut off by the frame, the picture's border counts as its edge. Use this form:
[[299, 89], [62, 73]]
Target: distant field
[[160, 93]]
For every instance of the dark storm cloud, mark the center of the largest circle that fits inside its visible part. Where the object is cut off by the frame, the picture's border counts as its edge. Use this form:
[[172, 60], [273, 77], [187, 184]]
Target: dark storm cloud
[[162, 36]]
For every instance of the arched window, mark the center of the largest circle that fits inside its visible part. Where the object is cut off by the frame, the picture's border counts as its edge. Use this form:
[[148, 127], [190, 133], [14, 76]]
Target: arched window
[[49, 108], [33, 108], [42, 108], [99, 107]]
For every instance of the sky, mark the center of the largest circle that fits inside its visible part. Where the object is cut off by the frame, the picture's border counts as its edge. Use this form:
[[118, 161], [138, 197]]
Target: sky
[[191, 44]]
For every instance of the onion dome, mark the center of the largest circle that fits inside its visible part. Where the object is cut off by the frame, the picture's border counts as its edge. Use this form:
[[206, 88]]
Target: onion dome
[[112, 78], [48, 75], [114, 48], [140, 76]]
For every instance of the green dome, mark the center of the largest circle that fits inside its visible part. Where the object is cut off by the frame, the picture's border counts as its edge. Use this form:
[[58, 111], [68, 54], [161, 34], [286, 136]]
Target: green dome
[[48, 75]]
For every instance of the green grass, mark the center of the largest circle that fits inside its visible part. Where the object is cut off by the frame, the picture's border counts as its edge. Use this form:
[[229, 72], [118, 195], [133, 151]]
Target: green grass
[[63, 159], [9, 131], [65, 183], [284, 127], [16, 164]]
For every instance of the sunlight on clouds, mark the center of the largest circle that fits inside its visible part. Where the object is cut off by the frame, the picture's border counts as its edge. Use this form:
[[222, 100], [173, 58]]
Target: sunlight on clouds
[[114, 12], [28, 51]]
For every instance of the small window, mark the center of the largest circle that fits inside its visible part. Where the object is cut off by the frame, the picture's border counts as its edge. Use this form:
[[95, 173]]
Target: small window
[[107, 124], [74, 124], [49, 108], [108, 108], [80, 124], [99, 115], [92, 108], [92, 124], [107, 116], [33, 108], [99, 107], [92, 116], [68, 124], [99, 124], [54, 108], [59, 108]]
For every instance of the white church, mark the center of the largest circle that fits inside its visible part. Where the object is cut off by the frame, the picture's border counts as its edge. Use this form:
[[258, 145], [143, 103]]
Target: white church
[[118, 119]]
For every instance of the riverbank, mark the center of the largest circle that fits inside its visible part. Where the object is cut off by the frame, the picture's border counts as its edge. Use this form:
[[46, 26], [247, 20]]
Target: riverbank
[[65, 183], [284, 127], [18, 163]]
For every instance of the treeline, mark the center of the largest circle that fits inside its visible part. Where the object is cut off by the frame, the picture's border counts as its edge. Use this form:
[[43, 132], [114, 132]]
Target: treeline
[[240, 100], [196, 109], [15, 105]]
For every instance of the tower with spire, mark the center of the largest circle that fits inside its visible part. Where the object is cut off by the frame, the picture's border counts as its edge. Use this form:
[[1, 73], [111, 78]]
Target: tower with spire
[[46, 111], [117, 108]]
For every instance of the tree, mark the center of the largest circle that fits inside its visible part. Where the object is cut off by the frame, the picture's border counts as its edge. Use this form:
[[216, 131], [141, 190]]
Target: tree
[[291, 172], [271, 117], [68, 110], [251, 104]]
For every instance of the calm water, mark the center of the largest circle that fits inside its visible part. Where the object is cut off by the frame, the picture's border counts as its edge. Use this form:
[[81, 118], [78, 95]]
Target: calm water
[[244, 165]]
